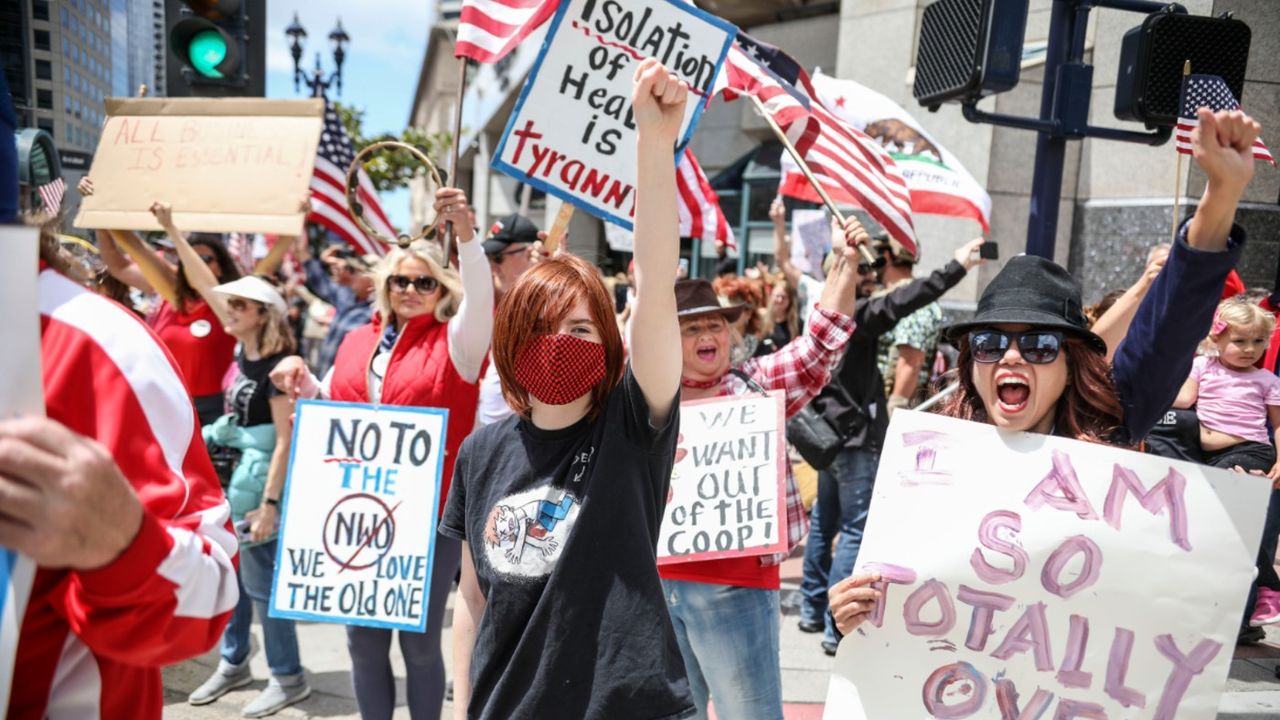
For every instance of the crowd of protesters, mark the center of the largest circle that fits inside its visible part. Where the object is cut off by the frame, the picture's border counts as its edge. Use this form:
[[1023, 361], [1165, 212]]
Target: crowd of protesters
[[564, 389]]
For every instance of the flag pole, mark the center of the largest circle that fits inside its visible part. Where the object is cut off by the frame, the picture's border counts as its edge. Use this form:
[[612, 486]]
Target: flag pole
[[1177, 173], [867, 257], [456, 142]]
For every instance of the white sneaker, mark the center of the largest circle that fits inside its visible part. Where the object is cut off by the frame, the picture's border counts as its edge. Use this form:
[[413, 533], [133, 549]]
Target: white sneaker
[[276, 697], [226, 678]]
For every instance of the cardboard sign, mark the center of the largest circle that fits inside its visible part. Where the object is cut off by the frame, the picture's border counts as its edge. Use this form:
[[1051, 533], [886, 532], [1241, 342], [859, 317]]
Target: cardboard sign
[[224, 164], [572, 133], [1028, 576], [22, 393], [358, 526], [810, 240], [728, 487]]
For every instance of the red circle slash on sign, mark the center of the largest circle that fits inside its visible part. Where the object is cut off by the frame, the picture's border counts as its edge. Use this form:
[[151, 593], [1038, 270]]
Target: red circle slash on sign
[[356, 523]]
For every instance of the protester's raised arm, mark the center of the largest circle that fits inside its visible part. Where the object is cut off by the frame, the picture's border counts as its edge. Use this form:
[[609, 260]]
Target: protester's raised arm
[[1223, 148], [198, 274], [1114, 323], [471, 329], [658, 99], [782, 244], [162, 276]]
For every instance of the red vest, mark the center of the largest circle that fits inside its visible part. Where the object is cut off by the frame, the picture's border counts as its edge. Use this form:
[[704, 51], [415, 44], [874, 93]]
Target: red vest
[[420, 374]]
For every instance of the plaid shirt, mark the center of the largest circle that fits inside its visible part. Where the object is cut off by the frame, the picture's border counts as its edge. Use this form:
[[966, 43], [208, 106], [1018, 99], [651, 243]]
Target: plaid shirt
[[800, 369]]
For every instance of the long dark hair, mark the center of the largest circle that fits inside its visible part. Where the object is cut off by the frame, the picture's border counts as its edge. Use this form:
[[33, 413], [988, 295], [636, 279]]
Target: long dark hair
[[187, 295], [1089, 408]]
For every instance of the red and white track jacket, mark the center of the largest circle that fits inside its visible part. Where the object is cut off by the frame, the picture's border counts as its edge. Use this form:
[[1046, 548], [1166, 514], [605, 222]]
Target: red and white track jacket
[[93, 642]]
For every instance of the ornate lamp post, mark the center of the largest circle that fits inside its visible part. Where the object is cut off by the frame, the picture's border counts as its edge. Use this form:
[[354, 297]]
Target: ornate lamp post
[[316, 81]]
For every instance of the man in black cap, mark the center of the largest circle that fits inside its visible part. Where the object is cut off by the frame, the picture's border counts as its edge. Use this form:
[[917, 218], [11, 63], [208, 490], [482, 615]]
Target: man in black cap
[[854, 405], [509, 248]]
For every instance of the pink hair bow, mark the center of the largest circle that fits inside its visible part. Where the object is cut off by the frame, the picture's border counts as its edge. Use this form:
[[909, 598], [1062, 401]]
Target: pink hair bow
[[1219, 325]]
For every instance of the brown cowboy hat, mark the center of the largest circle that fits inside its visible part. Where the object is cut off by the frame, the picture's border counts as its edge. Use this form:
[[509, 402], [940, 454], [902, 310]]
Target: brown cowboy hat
[[696, 297]]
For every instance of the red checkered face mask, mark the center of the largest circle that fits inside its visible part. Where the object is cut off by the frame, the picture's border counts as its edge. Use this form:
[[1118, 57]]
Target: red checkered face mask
[[558, 369]]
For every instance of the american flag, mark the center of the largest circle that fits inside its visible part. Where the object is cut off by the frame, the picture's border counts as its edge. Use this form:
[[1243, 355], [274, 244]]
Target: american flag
[[850, 164], [329, 190], [489, 29], [699, 206], [1212, 92], [51, 195]]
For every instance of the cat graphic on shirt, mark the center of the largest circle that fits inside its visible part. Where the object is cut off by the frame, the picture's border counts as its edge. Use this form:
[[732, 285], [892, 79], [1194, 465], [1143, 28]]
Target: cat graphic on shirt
[[524, 533]]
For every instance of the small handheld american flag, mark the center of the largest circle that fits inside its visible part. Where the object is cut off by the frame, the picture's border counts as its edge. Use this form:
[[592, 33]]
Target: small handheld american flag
[[1212, 92]]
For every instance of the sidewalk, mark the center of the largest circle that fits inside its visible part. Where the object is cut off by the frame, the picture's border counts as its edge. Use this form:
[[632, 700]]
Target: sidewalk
[[1253, 690]]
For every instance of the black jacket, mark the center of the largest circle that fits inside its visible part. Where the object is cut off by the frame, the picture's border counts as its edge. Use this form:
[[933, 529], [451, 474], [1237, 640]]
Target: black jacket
[[854, 402]]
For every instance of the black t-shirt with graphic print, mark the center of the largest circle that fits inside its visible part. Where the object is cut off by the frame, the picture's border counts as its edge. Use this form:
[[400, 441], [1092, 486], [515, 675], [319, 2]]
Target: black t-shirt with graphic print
[[250, 394], [562, 527]]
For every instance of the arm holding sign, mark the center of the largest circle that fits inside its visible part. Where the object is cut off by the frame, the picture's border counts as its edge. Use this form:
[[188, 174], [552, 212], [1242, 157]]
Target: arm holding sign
[[658, 99], [198, 274], [120, 266]]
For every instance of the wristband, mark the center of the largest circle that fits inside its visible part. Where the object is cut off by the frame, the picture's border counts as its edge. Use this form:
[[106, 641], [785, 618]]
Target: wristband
[[273, 502]]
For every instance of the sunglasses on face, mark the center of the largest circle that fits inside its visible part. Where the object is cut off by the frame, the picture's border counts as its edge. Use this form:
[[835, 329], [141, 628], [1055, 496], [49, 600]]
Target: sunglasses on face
[[1039, 347], [497, 258], [238, 304], [423, 283]]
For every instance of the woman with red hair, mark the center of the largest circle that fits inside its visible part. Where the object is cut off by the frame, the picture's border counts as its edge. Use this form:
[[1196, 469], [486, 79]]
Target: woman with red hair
[[558, 507], [1029, 363]]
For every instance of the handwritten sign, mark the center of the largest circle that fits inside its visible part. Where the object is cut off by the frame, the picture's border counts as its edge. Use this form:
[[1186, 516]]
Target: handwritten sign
[[728, 487], [224, 164], [357, 535], [22, 393], [572, 133], [1028, 576]]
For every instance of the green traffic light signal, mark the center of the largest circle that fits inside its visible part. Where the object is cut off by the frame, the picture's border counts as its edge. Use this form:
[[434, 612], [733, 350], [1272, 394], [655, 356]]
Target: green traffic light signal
[[207, 50]]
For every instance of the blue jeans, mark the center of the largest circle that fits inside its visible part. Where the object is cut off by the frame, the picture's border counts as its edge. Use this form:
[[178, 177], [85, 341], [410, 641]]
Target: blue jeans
[[257, 566], [844, 499], [728, 637]]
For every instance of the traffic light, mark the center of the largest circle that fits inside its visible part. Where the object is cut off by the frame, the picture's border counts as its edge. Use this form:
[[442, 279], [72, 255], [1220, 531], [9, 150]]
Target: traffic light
[[216, 47], [968, 49], [1152, 56]]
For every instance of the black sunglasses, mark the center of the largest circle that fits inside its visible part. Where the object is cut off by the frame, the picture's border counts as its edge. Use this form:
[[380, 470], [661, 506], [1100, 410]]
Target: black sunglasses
[[423, 283], [1039, 347], [498, 257]]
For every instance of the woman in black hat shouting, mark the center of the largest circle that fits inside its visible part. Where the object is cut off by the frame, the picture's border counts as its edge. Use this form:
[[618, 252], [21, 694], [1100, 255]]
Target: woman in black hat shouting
[[1029, 363]]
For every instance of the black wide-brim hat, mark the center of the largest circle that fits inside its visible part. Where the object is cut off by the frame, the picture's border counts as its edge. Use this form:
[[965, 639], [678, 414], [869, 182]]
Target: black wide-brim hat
[[697, 297], [1031, 290]]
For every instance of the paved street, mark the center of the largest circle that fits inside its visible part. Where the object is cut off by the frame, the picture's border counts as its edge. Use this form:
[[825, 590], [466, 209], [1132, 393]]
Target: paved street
[[1253, 690]]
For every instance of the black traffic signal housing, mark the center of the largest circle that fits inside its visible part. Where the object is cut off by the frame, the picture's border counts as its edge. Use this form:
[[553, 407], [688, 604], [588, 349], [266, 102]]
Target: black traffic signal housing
[[216, 48], [968, 49], [1152, 56]]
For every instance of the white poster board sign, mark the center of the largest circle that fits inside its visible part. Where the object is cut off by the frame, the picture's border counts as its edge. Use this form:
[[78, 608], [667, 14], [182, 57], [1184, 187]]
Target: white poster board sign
[[21, 393], [572, 133], [1037, 577], [810, 240], [358, 525], [728, 486]]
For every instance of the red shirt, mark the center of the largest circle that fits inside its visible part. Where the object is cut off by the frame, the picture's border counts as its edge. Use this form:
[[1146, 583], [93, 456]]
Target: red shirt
[[202, 349]]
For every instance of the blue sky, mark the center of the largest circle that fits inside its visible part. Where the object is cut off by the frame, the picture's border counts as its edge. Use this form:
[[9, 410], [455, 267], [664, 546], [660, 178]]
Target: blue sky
[[380, 74]]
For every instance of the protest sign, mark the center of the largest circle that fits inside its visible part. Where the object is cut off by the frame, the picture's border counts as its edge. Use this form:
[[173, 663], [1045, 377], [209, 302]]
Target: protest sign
[[728, 487], [572, 133], [810, 240], [224, 164], [21, 394], [1029, 576], [358, 527]]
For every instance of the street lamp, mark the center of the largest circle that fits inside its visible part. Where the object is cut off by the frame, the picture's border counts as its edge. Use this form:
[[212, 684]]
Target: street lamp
[[317, 83]]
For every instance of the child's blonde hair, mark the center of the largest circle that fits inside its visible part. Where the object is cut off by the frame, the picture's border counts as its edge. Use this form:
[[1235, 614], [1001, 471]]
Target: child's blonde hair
[[1243, 316]]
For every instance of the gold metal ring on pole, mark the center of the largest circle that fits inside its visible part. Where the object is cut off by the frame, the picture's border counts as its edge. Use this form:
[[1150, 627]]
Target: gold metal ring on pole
[[357, 210]]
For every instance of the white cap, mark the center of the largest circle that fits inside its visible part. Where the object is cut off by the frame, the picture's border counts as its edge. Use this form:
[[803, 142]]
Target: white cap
[[254, 288]]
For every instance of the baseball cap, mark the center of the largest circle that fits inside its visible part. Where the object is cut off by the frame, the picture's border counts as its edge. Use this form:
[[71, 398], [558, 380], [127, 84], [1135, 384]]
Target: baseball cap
[[882, 242], [508, 231]]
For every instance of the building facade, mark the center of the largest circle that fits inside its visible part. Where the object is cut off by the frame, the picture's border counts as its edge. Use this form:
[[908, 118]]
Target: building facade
[[1117, 198]]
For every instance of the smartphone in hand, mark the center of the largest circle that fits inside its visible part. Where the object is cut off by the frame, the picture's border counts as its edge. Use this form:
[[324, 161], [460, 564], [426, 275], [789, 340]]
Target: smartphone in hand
[[989, 251]]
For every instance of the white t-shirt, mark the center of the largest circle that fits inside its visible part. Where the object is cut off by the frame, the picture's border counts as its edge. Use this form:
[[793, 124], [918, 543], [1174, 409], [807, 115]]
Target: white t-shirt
[[493, 407]]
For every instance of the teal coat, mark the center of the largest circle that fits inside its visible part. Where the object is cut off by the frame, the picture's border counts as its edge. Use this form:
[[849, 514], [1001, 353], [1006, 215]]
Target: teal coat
[[256, 444]]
